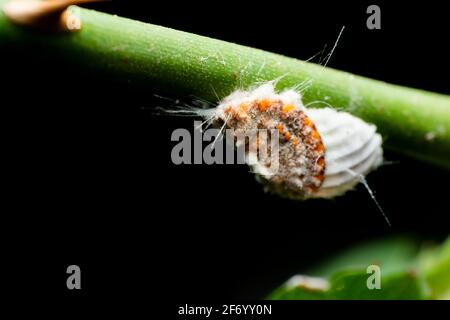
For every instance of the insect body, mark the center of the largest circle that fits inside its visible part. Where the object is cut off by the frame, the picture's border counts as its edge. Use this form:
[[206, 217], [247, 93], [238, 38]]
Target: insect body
[[322, 152]]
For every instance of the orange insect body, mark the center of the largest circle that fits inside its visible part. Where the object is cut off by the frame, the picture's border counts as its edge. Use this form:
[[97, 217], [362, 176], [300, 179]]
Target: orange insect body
[[301, 151]]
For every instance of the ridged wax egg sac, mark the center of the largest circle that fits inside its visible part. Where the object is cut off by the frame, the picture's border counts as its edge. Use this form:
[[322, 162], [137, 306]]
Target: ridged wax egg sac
[[352, 149], [322, 153]]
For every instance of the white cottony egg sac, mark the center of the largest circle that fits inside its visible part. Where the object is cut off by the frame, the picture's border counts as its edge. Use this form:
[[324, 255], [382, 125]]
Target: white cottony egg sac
[[322, 152], [352, 150]]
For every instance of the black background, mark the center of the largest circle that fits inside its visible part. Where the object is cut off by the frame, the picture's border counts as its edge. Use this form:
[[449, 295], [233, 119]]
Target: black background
[[92, 182]]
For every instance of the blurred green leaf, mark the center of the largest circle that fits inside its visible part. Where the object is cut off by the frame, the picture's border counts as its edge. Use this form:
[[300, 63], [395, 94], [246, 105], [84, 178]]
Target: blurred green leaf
[[297, 293], [353, 285], [392, 254], [406, 274], [435, 264]]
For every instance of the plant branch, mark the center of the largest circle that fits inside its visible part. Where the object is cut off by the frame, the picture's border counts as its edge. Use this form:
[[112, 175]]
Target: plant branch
[[412, 121]]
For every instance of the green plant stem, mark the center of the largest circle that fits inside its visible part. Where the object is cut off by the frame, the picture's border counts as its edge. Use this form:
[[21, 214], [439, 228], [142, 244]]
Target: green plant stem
[[413, 122]]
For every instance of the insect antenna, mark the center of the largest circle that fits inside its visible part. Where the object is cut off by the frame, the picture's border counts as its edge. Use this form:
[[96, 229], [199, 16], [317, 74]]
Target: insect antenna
[[220, 135], [328, 57], [363, 180]]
